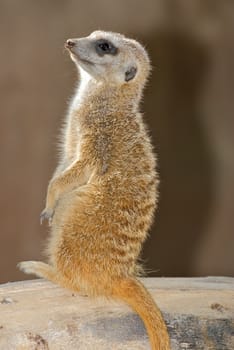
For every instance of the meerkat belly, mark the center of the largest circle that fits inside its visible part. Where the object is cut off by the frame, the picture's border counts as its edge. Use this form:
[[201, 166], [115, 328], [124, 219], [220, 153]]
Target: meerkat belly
[[102, 234]]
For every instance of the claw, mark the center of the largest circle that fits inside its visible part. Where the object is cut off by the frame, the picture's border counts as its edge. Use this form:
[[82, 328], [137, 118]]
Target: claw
[[47, 215]]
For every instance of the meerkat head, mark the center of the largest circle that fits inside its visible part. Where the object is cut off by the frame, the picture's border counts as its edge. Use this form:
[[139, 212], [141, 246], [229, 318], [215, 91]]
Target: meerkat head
[[110, 57]]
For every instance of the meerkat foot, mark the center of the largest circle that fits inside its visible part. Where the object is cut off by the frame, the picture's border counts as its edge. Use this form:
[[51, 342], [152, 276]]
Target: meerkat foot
[[43, 270], [39, 269]]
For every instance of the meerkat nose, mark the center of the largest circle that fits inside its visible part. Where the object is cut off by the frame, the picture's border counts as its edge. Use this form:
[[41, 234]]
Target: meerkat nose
[[70, 43]]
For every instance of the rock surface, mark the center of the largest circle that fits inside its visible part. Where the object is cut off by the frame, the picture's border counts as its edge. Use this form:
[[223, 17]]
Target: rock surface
[[37, 315]]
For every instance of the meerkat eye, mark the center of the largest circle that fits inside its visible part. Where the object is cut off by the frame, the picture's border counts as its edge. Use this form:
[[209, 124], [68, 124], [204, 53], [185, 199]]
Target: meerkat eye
[[104, 47]]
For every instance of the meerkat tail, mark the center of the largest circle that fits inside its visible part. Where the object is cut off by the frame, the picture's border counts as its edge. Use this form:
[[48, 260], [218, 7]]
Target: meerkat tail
[[135, 294]]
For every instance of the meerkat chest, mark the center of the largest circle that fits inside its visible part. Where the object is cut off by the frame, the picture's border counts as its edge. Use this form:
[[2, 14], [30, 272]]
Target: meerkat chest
[[79, 141], [74, 132], [81, 90]]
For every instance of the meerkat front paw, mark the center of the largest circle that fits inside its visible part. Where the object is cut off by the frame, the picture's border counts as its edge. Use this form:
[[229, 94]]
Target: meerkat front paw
[[47, 214]]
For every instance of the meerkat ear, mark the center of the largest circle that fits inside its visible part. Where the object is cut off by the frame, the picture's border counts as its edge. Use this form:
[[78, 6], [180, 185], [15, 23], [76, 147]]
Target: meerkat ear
[[130, 73]]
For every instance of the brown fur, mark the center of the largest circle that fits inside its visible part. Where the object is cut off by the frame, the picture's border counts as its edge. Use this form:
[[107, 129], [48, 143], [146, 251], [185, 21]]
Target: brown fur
[[102, 197]]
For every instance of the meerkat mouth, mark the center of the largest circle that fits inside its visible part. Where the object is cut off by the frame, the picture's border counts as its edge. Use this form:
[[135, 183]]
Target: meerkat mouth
[[84, 60], [70, 46]]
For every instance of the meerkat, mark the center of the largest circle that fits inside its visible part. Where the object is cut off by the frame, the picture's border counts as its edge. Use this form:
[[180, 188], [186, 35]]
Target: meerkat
[[103, 194]]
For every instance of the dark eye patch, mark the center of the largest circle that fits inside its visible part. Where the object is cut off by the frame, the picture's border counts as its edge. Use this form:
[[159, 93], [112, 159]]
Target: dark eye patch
[[105, 47]]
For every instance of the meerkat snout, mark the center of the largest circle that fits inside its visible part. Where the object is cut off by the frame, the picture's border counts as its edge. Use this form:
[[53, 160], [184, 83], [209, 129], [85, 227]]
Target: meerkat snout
[[69, 43]]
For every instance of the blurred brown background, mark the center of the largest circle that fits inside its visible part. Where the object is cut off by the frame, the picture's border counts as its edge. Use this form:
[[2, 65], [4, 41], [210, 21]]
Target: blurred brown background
[[189, 105]]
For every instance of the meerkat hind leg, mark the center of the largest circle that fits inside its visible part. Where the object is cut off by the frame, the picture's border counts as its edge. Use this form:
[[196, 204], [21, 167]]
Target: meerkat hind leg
[[39, 269]]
